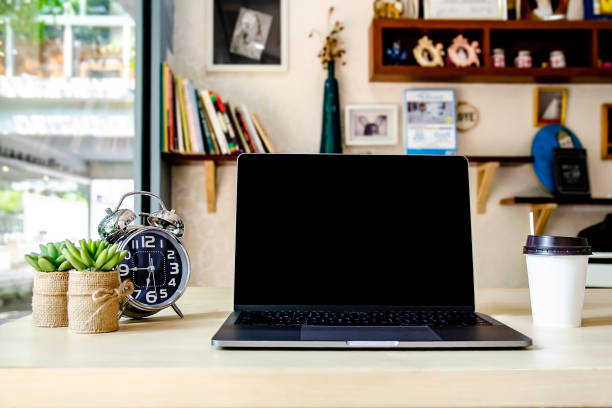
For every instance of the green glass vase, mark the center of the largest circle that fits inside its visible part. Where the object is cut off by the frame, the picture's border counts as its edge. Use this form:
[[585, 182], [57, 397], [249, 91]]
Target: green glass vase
[[331, 140]]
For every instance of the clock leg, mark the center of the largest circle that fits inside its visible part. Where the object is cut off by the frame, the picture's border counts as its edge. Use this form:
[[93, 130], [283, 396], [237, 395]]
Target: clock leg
[[177, 310]]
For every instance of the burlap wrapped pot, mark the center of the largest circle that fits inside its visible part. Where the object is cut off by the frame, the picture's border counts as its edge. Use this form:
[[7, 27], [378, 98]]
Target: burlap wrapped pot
[[49, 300], [93, 301]]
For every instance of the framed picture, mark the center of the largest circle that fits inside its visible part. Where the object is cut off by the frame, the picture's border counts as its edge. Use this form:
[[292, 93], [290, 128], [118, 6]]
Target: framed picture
[[430, 125], [571, 172], [550, 106], [246, 35], [469, 10], [370, 125], [606, 131]]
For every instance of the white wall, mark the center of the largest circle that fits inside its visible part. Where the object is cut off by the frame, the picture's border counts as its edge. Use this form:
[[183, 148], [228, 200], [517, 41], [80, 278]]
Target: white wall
[[289, 105]]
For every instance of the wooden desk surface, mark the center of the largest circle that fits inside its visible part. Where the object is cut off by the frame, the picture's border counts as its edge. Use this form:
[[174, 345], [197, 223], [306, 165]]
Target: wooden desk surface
[[167, 362]]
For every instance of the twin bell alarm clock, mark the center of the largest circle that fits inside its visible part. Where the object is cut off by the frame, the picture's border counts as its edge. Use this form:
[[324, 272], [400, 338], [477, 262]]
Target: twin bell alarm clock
[[156, 261]]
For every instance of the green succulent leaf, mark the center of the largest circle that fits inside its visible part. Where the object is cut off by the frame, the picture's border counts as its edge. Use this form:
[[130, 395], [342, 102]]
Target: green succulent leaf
[[46, 264], [114, 261], [52, 250], [73, 251], [75, 261], [101, 247], [66, 265], [101, 259], [85, 258], [43, 249], [32, 261]]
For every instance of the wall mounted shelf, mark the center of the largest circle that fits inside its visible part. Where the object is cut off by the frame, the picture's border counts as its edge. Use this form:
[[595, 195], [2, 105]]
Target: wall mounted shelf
[[486, 167], [486, 171], [584, 44], [210, 171], [543, 207]]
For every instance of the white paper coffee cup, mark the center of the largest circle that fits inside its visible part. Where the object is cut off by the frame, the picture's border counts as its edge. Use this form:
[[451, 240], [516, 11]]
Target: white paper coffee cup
[[556, 268]]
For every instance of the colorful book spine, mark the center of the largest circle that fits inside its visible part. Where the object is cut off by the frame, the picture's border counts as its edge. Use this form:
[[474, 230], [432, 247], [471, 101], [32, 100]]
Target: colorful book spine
[[198, 138], [249, 124], [237, 129], [208, 142], [164, 108], [214, 120], [231, 143], [180, 140], [243, 126], [193, 137], [171, 110], [186, 137], [263, 134]]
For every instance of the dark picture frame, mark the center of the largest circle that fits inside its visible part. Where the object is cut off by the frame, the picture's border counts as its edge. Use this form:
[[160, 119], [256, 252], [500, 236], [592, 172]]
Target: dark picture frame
[[606, 131], [571, 173], [247, 35]]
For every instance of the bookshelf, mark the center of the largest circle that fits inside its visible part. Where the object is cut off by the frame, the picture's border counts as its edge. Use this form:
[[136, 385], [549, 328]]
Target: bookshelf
[[486, 167], [210, 162], [543, 207], [584, 44]]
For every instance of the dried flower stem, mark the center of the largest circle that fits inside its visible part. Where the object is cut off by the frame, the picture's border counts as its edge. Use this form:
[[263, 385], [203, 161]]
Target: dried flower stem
[[332, 46]]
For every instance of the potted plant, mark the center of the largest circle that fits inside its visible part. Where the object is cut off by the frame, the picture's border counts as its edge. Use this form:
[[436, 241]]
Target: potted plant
[[50, 285], [94, 292]]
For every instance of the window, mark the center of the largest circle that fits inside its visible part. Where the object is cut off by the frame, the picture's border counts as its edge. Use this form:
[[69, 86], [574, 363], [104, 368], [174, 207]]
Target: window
[[67, 86]]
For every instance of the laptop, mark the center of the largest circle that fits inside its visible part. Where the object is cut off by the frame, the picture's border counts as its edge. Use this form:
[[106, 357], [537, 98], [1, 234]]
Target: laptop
[[356, 251]]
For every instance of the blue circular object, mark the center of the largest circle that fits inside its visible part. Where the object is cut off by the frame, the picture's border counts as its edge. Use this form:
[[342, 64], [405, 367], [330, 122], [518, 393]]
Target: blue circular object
[[542, 151]]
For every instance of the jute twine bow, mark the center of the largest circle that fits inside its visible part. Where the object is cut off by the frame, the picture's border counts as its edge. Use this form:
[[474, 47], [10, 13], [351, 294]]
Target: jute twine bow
[[104, 296]]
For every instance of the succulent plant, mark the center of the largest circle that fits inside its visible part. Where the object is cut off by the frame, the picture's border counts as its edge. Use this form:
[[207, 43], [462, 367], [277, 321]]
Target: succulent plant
[[50, 258], [93, 255], [62, 256]]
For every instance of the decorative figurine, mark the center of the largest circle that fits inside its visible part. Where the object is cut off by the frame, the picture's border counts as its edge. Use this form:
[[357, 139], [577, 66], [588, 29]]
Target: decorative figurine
[[395, 55], [557, 59], [462, 53], [523, 59], [388, 8], [499, 58], [428, 55]]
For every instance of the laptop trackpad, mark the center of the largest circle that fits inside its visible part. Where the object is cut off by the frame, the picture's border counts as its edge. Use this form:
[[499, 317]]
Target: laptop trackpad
[[367, 333]]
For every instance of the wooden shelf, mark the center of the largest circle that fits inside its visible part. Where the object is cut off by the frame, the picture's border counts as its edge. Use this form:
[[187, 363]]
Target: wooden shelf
[[210, 170], [583, 42], [543, 207], [486, 167]]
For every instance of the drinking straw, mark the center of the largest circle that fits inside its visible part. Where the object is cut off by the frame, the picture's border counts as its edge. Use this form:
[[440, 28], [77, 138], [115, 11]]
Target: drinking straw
[[531, 224]]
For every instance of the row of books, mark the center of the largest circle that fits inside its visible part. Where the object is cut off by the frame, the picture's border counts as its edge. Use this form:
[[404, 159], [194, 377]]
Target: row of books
[[199, 121]]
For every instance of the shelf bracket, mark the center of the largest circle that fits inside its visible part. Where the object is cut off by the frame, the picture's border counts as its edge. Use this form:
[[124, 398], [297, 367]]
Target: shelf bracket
[[485, 172], [541, 214], [210, 178]]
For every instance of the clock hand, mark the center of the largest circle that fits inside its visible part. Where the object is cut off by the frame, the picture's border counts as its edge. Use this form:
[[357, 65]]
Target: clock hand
[[139, 269], [152, 269]]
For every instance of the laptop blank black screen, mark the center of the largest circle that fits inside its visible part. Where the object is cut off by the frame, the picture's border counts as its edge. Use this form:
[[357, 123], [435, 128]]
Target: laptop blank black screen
[[351, 230]]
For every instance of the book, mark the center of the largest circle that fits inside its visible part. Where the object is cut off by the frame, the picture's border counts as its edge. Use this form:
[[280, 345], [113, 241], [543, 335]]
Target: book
[[263, 134], [214, 120], [171, 111], [232, 133], [180, 141], [247, 135], [224, 123], [208, 140], [237, 128], [249, 125], [181, 98], [194, 119], [164, 108]]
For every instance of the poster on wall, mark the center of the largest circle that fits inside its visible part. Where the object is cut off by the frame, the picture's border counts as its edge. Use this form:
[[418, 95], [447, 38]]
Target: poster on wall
[[466, 9], [430, 121], [246, 35]]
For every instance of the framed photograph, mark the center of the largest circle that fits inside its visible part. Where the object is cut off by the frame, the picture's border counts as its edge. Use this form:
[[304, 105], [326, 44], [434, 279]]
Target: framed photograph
[[550, 106], [571, 172], [468, 10], [246, 35], [430, 124], [370, 125], [606, 131]]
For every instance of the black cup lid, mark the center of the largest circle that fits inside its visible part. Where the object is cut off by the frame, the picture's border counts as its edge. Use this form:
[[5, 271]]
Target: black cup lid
[[551, 245]]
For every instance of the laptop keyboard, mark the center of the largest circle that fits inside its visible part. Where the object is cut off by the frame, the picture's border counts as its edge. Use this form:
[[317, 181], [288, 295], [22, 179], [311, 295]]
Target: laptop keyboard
[[399, 318]]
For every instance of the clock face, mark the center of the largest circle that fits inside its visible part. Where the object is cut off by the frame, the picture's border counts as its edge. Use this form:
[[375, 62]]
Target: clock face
[[158, 266]]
